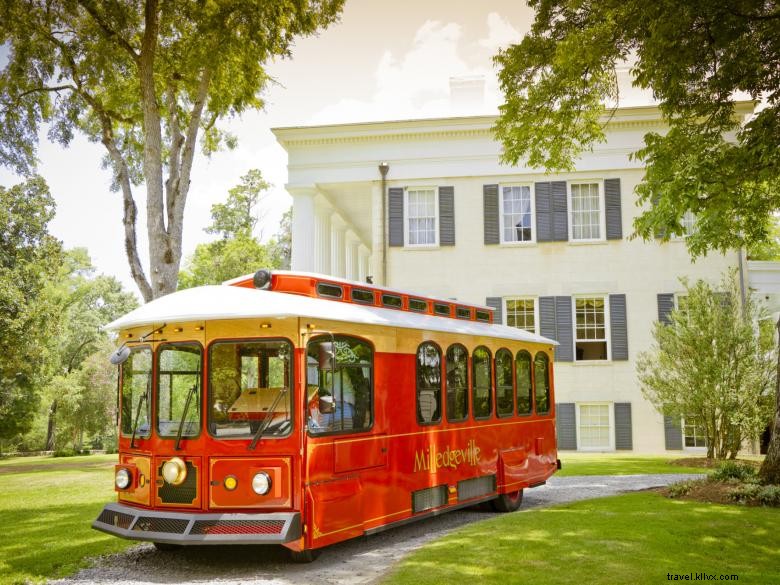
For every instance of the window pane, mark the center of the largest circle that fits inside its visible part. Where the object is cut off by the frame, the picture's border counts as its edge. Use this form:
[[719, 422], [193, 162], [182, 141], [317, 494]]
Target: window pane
[[542, 383], [457, 383], [422, 217], [504, 399], [136, 383], [594, 426], [428, 383], [249, 382], [585, 211], [340, 384], [520, 314], [481, 383], [516, 211], [523, 379], [590, 331], [178, 394]]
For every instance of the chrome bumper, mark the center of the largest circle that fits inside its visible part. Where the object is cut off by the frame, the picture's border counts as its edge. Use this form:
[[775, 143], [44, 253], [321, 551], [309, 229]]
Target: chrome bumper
[[194, 528]]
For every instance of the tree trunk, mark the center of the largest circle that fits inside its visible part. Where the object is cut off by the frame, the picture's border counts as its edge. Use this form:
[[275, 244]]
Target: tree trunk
[[52, 427], [770, 468]]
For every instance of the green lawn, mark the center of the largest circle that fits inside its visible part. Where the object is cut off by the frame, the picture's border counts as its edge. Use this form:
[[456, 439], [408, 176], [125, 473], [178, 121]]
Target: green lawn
[[46, 508], [635, 538], [618, 464]]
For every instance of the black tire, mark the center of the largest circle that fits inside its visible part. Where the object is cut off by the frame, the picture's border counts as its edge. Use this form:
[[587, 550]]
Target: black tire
[[166, 546], [508, 502], [304, 556]]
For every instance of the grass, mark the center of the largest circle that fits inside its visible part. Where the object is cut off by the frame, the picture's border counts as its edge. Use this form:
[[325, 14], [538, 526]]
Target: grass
[[636, 538], [618, 464], [46, 507]]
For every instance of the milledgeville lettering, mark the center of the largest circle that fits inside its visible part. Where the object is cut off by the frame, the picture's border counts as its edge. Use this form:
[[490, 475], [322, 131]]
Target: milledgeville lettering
[[431, 459], [700, 577]]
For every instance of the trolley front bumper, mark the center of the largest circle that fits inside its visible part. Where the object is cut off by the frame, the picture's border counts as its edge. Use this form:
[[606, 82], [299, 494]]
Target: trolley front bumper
[[191, 528]]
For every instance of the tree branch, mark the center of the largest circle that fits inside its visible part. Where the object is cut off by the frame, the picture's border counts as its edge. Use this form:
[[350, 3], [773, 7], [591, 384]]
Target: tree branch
[[177, 141], [110, 33]]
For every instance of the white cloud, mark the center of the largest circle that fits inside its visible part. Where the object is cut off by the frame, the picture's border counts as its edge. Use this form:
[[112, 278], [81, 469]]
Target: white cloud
[[500, 33]]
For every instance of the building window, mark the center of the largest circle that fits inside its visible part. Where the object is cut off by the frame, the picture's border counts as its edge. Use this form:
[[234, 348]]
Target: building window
[[428, 384], [594, 426], [591, 330], [693, 432], [523, 379], [481, 383], [504, 399], [542, 383], [457, 383], [586, 212], [421, 213], [521, 313], [516, 214], [688, 223]]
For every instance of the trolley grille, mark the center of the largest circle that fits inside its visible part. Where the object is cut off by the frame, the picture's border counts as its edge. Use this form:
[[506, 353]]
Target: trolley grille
[[117, 519], [156, 524], [238, 527], [179, 494], [478, 486], [429, 498]]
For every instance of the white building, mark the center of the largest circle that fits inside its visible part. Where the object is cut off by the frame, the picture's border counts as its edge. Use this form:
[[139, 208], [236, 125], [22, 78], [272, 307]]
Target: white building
[[550, 252]]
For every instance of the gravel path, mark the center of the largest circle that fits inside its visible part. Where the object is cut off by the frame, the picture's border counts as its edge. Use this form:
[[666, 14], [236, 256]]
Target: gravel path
[[356, 562]]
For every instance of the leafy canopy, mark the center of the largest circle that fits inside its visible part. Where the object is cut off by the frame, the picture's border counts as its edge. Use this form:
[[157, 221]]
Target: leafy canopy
[[694, 56], [238, 215]]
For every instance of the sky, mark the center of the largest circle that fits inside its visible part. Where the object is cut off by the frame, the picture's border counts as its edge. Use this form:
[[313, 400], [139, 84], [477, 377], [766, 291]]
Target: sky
[[383, 61]]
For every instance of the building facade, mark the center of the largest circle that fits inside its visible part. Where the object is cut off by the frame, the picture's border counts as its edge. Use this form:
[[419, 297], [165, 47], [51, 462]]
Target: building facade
[[425, 205]]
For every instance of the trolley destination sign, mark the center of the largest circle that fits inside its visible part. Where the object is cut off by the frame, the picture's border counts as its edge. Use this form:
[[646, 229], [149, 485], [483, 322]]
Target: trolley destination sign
[[431, 460]]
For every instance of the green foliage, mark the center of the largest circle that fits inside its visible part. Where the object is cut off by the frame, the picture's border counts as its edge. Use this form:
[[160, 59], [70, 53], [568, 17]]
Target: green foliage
[[280, 246], [729, 470], [753, 493], [769, 249], [29, 259], [682, 488], [559, 83], [238, 215], [216, 262], [709, 364]]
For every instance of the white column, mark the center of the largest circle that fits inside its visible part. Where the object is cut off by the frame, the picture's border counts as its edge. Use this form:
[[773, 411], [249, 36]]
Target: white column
[[303, 229], [377, 235], [364, 263], [352, 257], [337, 246], [322, 212]]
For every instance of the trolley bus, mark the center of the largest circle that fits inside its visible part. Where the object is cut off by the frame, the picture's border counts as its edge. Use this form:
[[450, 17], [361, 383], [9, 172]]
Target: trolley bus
[[302, 410]]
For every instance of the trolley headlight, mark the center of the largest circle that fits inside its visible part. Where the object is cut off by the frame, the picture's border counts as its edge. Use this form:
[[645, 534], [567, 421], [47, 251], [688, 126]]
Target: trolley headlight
[[122, 478], [174, 471], [261, 483]]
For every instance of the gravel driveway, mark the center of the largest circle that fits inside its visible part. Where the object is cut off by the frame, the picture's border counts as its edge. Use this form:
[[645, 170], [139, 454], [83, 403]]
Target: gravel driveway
[[354, 562]]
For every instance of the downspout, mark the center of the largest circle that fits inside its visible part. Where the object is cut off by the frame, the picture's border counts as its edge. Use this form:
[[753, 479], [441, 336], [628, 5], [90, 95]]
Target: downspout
[[383, 169]]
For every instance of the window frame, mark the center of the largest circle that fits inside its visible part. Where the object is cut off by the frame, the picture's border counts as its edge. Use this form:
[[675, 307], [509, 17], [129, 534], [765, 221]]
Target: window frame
[[156, 385], [407, 216], [531, 387], [548, 377], [473, 384], [695, 425], [532, 195], [149, 398], [467, 388], [505, 311], [607, 328], [610, 428], [602, 211], [504, 350], [418, 387], [293, 381]]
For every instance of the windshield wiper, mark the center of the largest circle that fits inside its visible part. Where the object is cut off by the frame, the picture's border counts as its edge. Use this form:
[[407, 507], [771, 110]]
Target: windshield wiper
[[184, 413], [269, 417], [141, 401]]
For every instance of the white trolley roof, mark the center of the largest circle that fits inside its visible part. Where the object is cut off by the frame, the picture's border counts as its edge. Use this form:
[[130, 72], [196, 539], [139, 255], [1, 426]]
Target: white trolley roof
[[231, 302]]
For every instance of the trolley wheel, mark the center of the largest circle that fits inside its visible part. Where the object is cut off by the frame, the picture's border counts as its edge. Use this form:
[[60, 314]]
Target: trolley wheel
[[508, 502], [166, 546], [305, 556]]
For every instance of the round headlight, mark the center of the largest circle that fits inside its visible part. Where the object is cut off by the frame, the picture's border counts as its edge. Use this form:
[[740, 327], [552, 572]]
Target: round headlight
[[174, 471], [122, 478], [261, 483]]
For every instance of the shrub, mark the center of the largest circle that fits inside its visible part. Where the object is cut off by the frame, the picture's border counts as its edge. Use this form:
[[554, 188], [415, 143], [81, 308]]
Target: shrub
[[753, 493], [733, 470], [769, 495], [683, 488]]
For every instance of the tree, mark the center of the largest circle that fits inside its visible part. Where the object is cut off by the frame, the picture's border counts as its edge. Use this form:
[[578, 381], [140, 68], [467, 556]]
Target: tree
[[694, 56], [708, 364], [29, 258], [280, 246], [238, 215], [146, 79]]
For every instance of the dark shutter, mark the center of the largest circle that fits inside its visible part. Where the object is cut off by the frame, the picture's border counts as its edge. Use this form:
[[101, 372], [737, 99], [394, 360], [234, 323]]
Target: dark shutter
[[544, 212], [623, 435], [612, 210], [566, 426], [618, 326], [560, 215], [496, 303], [665, 307], [395, 210], [490, 215], [446, 216], [672, 434], [555, 323]]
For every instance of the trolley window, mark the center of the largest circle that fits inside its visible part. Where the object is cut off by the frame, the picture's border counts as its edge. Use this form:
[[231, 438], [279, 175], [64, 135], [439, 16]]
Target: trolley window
[[463, 312], [339, 380], [457, 383], [329, 290], [441, 309], [428, 384], [523, 379], [483, 316], [481, 383], [250, 382], [137, 392], [418, 305], [504, 399], [360, 295], [178, 390], [542, 383], [392, 301]]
